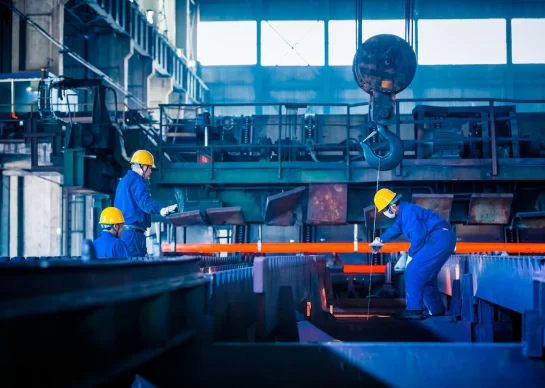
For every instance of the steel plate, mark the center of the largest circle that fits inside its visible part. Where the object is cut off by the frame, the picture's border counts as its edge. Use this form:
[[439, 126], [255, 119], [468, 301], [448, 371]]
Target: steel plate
[[327, 204]]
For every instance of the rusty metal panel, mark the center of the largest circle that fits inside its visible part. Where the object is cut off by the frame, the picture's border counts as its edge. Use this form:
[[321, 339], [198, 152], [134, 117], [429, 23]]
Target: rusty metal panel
[[190, 218], [490, 209], [280, 208], [438, 203], [225, 216], [327, 204], [480, 233]]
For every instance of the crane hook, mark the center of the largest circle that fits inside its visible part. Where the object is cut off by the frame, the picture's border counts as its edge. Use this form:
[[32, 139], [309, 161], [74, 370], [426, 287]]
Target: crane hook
[[395, 153]]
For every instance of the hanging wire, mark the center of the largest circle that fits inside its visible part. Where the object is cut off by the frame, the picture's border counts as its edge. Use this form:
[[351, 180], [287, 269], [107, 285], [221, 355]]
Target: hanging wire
[[374, 232]]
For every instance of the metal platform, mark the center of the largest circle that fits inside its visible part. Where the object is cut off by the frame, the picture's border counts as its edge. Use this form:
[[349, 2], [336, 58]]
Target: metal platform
[[96, 322], [338, 364]]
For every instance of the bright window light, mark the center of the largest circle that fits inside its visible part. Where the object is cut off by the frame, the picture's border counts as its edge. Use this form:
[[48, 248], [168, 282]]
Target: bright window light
[[342, 37], [527, 40], [227, 43], [292, 43], [462, 42]]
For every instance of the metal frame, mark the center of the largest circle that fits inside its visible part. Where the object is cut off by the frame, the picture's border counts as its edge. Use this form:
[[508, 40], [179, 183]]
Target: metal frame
[[83, 323], [124, 16], [491, 168]]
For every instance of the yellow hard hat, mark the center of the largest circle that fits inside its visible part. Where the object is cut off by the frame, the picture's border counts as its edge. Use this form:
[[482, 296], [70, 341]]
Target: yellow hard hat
[[111, 216], [143, 157], [383, 198]]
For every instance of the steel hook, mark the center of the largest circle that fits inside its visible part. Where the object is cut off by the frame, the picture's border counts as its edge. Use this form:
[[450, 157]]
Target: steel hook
[[395, 150]]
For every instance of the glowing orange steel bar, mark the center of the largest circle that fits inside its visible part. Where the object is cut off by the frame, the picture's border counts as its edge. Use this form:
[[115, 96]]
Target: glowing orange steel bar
[[467, 247], [364, 268]]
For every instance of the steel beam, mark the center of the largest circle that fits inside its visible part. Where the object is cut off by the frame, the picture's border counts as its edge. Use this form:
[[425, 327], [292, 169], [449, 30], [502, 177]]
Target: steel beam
[[461, 247], [86, 323], [151, 43], [312, 172], [503, 281]]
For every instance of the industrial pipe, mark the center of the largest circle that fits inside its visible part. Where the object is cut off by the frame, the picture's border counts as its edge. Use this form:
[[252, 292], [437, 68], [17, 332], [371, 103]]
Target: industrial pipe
[[347, 247]]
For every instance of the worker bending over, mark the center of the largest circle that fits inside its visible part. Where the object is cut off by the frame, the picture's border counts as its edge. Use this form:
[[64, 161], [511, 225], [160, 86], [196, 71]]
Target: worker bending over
[[432, 243], [133, 198], [108, 244]]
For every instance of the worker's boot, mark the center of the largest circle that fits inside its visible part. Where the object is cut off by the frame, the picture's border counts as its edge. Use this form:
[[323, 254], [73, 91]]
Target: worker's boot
[[409, 314]]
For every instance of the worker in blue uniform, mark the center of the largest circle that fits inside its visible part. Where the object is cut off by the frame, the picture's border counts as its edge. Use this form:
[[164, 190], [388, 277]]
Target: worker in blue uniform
[[133, 198], [432, 243], [109, 245]]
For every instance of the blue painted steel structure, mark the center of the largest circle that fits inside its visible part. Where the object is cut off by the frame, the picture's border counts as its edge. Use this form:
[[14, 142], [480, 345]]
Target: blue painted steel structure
[[505, 282], [125, 17]]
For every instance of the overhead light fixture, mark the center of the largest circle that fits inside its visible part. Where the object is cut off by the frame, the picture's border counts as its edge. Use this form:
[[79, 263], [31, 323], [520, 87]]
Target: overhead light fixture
[[28, 89]]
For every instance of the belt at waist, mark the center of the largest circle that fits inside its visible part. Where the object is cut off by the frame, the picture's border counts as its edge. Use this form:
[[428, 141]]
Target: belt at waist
[[135, 228]]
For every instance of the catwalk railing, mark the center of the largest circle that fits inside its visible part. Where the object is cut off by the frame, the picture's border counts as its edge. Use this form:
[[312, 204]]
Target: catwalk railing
[[335, 145]]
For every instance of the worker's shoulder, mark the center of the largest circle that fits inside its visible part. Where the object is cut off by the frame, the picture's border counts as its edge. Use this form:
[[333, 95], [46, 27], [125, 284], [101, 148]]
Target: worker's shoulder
[[131, 179], [409, 206]]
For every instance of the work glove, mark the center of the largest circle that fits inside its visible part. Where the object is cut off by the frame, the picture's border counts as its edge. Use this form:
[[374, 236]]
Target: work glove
[[376, 245], [169, 210]]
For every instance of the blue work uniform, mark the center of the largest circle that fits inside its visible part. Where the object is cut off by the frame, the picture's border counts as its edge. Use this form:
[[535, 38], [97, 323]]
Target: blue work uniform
[[133, 198], [432, 243], [108, 246]]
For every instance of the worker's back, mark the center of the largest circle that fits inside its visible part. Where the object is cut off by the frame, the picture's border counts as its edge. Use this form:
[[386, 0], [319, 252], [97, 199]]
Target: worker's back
[[129, 187], [416, 223], [429, 218], [108, 246]]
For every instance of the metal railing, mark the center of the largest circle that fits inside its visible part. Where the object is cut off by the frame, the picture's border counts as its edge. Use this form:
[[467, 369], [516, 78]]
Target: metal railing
[[348, 124]]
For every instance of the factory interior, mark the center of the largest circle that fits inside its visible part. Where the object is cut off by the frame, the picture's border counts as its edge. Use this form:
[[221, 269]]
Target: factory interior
[[342, 192]]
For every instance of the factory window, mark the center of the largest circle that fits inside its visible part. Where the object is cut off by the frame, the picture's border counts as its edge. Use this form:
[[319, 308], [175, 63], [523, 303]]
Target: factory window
[[342, 37], [227, 43], [462, 42], [525, 47], [292, 43]]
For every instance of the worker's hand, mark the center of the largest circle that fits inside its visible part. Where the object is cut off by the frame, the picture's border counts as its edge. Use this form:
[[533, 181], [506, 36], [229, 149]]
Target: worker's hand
[[376, 245], [169, 210]]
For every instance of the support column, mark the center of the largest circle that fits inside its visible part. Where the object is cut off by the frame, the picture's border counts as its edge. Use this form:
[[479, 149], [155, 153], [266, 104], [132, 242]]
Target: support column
[[16, 226], [159, 90], [182, 25], [4, 214], [187, 21], [42, 215], [111, 54], [31, 50], [170, 20], [139, 70]]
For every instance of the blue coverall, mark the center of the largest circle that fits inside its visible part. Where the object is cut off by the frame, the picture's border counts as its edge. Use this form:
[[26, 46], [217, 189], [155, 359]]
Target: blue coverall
[[133, 198], [432, 243], [108, 246]]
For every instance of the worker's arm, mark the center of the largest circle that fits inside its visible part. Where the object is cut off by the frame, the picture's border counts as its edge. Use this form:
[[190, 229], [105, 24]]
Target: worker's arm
[[391, 233], [143, 197]]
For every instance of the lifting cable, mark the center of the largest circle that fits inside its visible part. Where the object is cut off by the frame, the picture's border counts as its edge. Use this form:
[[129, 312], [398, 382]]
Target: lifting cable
[[409, 37]]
